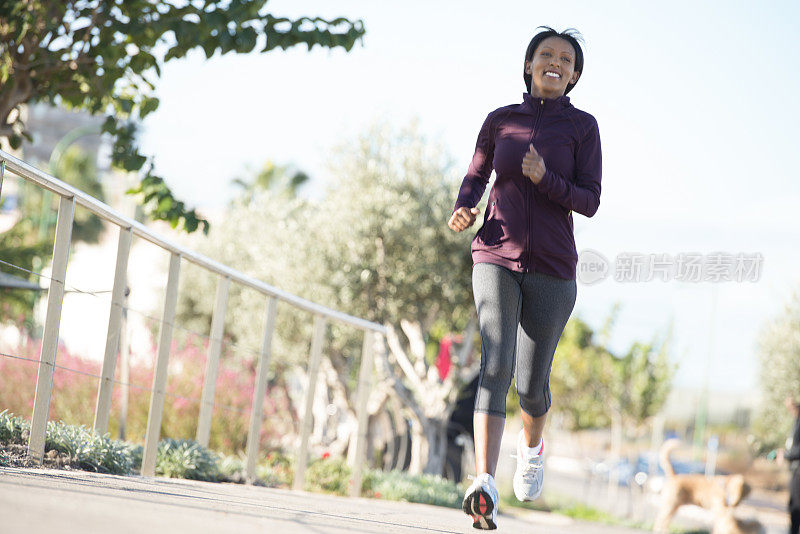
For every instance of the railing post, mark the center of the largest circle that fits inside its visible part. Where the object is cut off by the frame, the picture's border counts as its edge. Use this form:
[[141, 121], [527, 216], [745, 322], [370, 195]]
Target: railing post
[[212, 363], [125, 371], [160, 375], [317, 339], [106, 385], [253, 434], [362, 395], [47, 357]]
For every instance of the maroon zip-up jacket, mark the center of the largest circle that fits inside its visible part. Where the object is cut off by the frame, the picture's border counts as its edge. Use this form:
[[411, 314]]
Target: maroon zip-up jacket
[[528, 227]]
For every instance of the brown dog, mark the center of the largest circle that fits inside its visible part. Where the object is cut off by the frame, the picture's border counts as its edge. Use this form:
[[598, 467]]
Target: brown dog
[[718, 494]]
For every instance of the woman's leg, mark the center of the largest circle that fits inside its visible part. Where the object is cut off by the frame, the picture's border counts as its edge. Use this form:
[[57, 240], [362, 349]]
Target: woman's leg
[[488, 435], [547, 303], [498, 300], [533, 427]]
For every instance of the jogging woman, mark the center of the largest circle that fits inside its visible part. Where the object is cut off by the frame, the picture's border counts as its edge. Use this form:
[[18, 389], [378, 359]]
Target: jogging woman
[[546, 156]]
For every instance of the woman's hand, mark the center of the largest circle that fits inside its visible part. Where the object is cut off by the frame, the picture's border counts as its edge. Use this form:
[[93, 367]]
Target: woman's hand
[[463, 218], [533, 165]]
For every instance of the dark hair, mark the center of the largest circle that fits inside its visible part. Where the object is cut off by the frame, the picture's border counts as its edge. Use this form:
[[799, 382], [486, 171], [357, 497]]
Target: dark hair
[[570, 35]]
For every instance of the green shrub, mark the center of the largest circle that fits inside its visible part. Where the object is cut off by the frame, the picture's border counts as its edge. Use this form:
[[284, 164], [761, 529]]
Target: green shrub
[[400, 486], [277, 470], [231, 466], [90, 451], [135, 452], [183, 458], [12, 427], [328, 475]]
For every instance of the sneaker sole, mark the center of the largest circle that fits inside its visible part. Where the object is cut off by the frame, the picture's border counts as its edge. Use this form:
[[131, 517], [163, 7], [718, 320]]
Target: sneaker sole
[[478, 505], [527, 498]]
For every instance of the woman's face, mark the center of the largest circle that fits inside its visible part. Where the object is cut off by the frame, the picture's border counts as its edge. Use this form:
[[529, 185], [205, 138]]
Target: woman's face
[[552, 68]]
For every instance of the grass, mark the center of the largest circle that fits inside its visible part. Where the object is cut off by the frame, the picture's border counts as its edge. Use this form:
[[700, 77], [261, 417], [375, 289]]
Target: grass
[[562, 506], [569, 507]]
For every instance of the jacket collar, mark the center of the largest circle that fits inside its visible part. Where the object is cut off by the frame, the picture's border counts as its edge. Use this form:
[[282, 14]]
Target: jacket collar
[[534, 104]]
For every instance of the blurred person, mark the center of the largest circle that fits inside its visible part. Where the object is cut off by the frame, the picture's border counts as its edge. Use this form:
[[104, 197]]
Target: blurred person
[[792, 455], [547, 159]]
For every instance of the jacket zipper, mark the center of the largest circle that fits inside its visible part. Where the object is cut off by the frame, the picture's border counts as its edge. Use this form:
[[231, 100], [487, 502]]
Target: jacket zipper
[[529, 189]]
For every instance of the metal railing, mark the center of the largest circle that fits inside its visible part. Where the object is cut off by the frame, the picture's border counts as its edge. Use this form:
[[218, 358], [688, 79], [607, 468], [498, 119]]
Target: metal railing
[[68, 197]]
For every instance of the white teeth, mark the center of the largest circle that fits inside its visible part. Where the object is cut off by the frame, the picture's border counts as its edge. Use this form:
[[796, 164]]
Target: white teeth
[[552, 74]]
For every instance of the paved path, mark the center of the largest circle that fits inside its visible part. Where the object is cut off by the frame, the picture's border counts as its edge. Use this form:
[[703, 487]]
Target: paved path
[[34, 501]]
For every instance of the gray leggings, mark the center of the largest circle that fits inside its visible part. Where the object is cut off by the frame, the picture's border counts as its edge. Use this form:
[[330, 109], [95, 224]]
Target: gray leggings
[[521, 316]]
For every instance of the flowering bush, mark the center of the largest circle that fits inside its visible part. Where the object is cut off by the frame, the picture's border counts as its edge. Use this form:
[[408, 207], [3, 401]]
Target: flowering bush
[[328, 475], [75, 395]]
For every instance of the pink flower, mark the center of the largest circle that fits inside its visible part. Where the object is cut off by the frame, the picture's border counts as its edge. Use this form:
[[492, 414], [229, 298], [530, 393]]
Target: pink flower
[[326, 455]]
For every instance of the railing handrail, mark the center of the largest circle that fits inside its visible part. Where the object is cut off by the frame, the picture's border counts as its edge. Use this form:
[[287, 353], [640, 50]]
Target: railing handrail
[[108, 213]]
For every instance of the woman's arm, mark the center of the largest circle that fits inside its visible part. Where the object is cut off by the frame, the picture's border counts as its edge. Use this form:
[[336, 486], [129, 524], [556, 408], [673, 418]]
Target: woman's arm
[[582, 196], [480, 169]]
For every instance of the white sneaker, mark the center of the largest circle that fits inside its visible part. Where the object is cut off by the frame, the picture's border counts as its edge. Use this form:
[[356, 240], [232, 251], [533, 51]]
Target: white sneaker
[[481, 501], [529, 476]]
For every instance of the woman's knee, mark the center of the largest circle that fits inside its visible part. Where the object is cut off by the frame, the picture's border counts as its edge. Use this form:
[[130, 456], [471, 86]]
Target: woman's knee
[[535, 401], [497, 378]]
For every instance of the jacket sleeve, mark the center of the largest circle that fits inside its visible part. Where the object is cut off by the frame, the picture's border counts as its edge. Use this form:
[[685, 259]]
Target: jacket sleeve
[[793, 454], [582, 196], [480, 169]]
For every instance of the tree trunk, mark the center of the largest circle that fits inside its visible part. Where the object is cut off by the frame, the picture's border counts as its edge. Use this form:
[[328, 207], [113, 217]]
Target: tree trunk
[[436, 433], [419, 447], [428, 445]]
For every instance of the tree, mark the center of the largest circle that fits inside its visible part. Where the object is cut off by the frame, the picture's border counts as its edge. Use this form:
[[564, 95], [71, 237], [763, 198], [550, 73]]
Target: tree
[[579, 376], [104, 56], [282, 179], [596, 388], [779, 377], [376, 246], [76, 168], [31, 238], [396, 262]]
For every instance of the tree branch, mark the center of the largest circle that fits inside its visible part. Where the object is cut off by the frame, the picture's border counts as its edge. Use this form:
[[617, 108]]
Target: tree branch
[[416, 342], [402, 360]]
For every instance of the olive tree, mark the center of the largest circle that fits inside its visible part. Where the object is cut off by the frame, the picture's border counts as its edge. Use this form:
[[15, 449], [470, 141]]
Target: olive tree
[[375, 245]]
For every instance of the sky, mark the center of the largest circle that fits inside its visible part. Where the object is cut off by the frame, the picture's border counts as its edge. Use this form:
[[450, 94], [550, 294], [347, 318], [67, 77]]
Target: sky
[[697, 109]]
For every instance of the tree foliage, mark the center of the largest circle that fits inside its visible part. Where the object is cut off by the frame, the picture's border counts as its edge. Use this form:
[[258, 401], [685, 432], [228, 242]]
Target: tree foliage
[[31, 238], [373, 246], [592, 385], [779, 357], [104, 56], [77, 168], [280, 179]]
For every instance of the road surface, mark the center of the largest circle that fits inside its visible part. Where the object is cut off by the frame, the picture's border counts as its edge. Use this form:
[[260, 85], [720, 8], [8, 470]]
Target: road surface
[[44, 501]]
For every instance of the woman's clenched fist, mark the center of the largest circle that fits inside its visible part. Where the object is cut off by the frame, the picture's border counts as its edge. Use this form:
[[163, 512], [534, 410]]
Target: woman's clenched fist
[[463, 218]]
